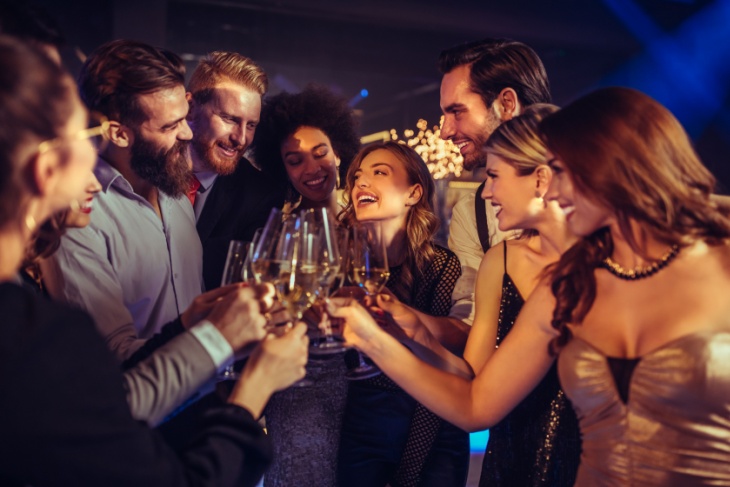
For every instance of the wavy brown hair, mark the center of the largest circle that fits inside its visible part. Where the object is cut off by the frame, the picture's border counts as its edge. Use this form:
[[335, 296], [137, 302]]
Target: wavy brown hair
[[496, 64], [630, 154], [421, 222]]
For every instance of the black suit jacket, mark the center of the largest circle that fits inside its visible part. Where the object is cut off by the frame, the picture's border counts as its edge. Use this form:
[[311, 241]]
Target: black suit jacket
[[65, 419], [238, 204]]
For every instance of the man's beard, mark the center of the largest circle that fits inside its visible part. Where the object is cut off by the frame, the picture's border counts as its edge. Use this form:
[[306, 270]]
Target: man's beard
[[207, 153], [478, 158], [168, 170]]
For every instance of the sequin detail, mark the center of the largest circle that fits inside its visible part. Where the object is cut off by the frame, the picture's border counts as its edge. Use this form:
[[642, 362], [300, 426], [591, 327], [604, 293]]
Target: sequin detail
[[538, 443]]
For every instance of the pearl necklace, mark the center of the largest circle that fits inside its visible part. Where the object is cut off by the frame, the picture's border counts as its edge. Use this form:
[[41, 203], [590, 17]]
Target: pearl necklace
[[640, 272]]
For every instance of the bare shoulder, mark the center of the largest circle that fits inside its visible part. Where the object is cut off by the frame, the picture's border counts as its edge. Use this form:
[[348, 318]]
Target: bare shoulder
[[494, 258], [540, 305]]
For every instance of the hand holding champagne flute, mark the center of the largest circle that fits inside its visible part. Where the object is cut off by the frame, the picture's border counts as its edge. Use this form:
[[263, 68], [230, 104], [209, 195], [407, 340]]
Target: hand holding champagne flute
[[286, 257], [331, 263]]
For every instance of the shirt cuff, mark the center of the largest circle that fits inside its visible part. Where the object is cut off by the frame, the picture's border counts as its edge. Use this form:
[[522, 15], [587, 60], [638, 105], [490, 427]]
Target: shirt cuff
[[214, 343]]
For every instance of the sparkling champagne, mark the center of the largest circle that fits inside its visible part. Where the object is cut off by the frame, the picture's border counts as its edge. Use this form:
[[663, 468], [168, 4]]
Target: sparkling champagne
[[372, 279], [269, 270], [327, 275], [297, 290]]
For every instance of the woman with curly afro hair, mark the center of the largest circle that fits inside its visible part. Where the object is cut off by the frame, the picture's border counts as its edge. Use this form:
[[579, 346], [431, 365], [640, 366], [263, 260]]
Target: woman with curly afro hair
[[308, 140]]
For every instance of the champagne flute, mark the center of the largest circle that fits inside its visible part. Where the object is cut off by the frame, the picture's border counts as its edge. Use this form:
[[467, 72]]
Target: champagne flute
[[329, 259], [370, 271], [247, 271], [233, 272], [265, 266], [286, 257], [370, 268]]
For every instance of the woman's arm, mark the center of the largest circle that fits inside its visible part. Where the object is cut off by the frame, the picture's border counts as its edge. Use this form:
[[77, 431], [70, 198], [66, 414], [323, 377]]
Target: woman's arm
[[482, 341], [410, 322], [519, 364], [482, 338]]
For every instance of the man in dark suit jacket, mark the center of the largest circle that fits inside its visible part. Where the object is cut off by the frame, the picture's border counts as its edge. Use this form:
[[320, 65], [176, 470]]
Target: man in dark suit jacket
[[231, 197]]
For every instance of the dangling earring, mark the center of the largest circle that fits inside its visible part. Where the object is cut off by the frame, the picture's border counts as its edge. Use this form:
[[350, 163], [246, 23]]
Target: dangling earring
[[337, 171], [30, 222]]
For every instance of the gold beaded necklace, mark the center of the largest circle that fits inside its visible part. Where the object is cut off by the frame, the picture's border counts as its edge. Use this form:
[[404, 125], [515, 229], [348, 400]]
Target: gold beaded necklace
[[640, 272]]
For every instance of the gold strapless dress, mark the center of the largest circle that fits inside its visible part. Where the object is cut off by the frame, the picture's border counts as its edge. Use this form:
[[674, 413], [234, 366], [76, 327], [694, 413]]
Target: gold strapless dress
[[674, 429]]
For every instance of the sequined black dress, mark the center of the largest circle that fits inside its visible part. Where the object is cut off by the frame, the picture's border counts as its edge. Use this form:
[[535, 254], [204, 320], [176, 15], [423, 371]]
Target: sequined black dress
[[538, 443]]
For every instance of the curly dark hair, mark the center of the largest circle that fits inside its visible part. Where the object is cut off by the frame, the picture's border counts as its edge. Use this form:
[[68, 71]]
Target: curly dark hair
[[316, 107]]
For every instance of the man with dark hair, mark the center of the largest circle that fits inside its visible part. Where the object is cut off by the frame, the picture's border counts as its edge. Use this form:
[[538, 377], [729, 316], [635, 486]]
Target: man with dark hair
[[137, 265], [230, 196], [485, 83]]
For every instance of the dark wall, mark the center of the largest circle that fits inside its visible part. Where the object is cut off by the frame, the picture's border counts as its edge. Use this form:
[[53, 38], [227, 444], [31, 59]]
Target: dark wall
[[390, 48]]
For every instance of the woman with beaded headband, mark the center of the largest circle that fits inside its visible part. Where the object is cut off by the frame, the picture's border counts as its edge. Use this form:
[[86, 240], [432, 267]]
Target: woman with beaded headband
[[641, 348]]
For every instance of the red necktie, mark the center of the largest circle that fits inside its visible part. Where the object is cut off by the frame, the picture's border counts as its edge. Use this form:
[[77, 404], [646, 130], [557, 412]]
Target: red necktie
[[193, 189]]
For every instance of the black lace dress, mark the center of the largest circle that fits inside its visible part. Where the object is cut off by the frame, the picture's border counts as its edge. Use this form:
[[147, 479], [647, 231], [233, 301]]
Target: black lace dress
[[538, 443], [388, 437]]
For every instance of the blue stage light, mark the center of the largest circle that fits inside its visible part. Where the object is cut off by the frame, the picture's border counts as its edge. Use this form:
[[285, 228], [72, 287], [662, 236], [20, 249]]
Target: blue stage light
[[478, 441], [686, 70]]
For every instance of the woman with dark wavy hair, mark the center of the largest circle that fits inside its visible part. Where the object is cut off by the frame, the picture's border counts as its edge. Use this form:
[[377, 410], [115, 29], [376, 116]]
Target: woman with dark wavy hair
[[387, 437], [49, 233], [639, 311]]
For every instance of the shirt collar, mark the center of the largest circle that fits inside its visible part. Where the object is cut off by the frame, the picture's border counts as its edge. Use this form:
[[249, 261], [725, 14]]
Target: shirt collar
[[106, 174], [206, 178]]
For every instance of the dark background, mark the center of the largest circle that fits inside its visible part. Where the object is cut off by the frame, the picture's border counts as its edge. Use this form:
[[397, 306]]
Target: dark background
[[676, 50]]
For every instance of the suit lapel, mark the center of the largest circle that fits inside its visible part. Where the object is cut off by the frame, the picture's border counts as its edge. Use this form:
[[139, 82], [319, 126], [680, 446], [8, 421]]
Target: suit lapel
[[214, 207]]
